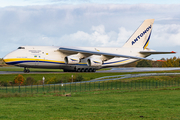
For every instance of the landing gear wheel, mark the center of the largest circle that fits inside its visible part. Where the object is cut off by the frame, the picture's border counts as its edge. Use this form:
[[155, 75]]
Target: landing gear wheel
[[90, 70], [82, 70], [26, 70], [93, 70], [86, 70], [78, 70]]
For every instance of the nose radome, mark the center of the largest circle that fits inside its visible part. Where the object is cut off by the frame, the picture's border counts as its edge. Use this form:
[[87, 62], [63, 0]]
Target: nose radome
[[8, 58], [5, 59]]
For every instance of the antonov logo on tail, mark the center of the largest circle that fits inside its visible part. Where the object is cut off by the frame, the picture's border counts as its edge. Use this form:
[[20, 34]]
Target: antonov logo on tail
[[141, 35]]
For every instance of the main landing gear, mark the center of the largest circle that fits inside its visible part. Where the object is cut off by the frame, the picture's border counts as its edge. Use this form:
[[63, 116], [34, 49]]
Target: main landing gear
[[81, 70], [26, 70]]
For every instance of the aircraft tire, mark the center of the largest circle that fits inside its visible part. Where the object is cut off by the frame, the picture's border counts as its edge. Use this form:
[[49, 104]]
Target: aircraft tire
[[90, 70], [93, 70], [27, 70], [82, 69], [86, 70], [79, 70]]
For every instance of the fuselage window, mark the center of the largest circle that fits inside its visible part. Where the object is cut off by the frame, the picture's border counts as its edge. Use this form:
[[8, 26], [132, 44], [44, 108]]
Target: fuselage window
[[21, 47]]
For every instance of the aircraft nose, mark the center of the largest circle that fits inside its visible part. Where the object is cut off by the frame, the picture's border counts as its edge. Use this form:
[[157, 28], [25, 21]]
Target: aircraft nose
[[7, 58], [11, 57]]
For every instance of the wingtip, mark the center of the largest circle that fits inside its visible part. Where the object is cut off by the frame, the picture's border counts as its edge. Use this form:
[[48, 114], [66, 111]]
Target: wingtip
[[173, 52], [161, 60]]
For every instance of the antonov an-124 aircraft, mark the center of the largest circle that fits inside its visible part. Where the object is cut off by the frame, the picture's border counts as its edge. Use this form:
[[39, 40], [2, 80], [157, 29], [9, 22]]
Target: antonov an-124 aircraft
[[85, 59]]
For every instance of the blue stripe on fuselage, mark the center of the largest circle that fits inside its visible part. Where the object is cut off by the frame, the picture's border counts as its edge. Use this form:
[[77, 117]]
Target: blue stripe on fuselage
[[19, 62]]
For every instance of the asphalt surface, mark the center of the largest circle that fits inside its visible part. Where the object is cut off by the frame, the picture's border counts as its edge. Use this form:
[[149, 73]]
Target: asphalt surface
[[135, 69], [121, 70]]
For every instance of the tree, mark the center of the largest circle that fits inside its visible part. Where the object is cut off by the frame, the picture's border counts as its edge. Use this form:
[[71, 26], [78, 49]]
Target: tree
[[144, 63], [171, 62], [19, 79], [30, 81]]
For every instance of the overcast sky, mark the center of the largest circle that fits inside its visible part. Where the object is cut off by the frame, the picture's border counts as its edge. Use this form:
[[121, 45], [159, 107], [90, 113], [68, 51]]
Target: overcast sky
[[87, 23]]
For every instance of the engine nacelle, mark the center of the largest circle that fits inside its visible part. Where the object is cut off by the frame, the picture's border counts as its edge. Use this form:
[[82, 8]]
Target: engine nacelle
[[94, 62], [71, 60]]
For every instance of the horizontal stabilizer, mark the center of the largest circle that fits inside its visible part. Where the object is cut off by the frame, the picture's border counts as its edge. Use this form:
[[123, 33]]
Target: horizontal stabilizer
[[156, 52]]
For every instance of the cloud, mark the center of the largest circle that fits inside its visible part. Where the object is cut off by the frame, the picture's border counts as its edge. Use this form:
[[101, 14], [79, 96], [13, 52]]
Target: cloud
[[6, 3], [167, 35], [98, 36]]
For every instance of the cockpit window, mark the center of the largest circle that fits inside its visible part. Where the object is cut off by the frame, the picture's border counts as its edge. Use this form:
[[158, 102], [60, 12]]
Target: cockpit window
[[21, 47]]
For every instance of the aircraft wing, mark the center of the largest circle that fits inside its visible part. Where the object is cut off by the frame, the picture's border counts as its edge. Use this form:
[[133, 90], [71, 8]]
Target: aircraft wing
[[93, 52], [156, 52]]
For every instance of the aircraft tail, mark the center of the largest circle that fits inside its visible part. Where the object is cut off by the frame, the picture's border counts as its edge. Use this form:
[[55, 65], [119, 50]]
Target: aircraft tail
[[141, 37]]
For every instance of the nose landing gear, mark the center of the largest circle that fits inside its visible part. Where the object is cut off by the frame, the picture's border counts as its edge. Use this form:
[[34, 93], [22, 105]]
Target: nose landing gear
[[26, 70]]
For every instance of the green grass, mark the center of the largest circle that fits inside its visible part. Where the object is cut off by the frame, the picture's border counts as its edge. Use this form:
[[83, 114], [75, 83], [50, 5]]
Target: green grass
[[86, 76], [114, 104], [140, 83], [139, 103]]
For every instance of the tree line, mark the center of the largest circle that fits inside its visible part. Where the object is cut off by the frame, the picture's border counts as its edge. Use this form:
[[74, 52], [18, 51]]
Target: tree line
[[168, 62]]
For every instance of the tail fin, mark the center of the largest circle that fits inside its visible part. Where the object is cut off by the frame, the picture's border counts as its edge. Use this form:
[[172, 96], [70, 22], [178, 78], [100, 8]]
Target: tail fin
[[140, 38]]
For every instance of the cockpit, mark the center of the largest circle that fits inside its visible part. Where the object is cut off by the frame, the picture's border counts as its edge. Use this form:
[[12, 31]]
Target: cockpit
[[21, 47]]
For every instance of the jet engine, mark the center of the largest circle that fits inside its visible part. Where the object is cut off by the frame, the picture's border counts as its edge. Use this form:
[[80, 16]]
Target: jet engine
[[94, 62], [71, 60]]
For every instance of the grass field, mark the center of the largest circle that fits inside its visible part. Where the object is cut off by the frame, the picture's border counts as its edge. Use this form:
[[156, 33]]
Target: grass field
[[113, 104], [128, 84], [158, 103]]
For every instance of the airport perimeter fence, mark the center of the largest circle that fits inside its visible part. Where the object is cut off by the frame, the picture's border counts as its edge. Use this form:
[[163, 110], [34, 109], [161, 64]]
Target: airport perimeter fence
[[91, 86]]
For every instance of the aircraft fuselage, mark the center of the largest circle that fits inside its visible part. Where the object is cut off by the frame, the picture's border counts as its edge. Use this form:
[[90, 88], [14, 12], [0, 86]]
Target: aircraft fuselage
[[51, 57]]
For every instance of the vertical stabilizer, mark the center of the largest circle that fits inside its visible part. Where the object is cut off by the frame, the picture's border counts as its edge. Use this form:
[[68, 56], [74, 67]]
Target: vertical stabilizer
[[140, 38]]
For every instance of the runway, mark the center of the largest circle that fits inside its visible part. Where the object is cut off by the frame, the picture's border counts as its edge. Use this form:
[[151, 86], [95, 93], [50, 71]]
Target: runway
[[113, 70], [140, 69]]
